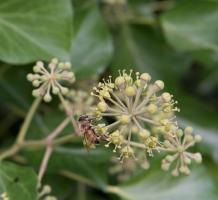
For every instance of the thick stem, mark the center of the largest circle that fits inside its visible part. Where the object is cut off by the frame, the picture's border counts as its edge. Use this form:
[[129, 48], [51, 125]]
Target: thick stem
[[39, 144], [22, 133], [11, 151], [81, 191], [44, 163], [69, 114], [27, 121], [58, 130]]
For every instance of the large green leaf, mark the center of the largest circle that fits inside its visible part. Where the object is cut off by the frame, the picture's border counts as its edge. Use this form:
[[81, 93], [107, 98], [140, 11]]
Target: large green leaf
[[14, 95], [143, 48], [18, 182], [192, 25], [92, 46], [32, 30], [159, 185]]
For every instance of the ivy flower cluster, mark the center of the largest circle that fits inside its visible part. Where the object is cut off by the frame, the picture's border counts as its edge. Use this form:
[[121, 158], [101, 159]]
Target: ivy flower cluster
[[79, 101], [48, 79], [142, 117], [179, 158]]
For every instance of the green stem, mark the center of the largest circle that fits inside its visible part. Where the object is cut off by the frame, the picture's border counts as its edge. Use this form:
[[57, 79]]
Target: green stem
[[69, 113], [11, 151], [22, 133], [27, 121], [81, 191]]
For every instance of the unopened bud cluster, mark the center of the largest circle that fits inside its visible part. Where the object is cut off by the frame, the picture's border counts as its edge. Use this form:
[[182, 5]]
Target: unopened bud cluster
[[143, 117], [179, 159], [48, 79], [79, 101]]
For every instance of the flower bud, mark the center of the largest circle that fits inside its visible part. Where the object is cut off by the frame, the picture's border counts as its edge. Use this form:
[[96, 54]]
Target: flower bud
[[134, 129], [125, 119], [64, 90], [36, 93], [36, 69], [40, 64], [188, 130], [30, 77], [169, 158], [167, 144], [165, 166], [130, 91], [152, 108], [54, 61], [144, 134], [127, 152], [179, 133], [166, 97], [189, 138], [55, 90], [67, 65], [36, 83], [197, 157], [184, 170], [116, 137], [119, 81], [158, 85], [198, 138], [175, 172], [102, 106], [187, 160], [145, 165], [47, 97], [145, 77]]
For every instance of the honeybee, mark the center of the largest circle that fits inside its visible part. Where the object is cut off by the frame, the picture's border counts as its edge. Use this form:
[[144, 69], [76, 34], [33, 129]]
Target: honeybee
[[86, 128]]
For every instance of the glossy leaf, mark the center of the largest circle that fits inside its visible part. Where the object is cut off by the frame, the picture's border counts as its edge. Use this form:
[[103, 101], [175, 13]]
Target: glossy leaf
[[92, 46], [159, 185], [18, 182], [194, 31], [32, 30]]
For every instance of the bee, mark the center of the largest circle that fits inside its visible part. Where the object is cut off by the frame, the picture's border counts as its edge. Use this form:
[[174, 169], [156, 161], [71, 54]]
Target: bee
[[90, 136]]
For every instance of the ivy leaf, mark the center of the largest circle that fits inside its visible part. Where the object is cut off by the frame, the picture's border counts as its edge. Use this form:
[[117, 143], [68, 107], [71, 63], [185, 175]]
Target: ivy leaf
[[32, 30], [92, 44], [144, 49], [18, 182], [159, 185], [197, 30]]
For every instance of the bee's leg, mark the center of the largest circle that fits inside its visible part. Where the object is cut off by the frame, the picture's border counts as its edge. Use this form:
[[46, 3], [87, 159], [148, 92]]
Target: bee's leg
[[97, 140]]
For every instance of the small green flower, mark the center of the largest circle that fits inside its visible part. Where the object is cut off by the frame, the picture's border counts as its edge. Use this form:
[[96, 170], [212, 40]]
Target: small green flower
[[79, 101], [48, 79], [141, 116], [178, 148]]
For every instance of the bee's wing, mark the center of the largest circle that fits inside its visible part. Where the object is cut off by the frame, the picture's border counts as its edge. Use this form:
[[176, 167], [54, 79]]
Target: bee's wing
[[86, 142]]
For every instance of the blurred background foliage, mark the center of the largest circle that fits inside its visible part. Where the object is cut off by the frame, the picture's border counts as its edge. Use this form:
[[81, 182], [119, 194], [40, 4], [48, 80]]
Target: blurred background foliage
[[174, 40]]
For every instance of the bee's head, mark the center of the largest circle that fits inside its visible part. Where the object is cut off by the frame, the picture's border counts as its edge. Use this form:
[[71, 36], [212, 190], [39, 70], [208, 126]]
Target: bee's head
[[84, 118]]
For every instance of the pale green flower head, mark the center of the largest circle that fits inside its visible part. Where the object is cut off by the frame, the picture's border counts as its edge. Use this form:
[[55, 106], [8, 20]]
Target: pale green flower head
[[48, 79], [142, 115]]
